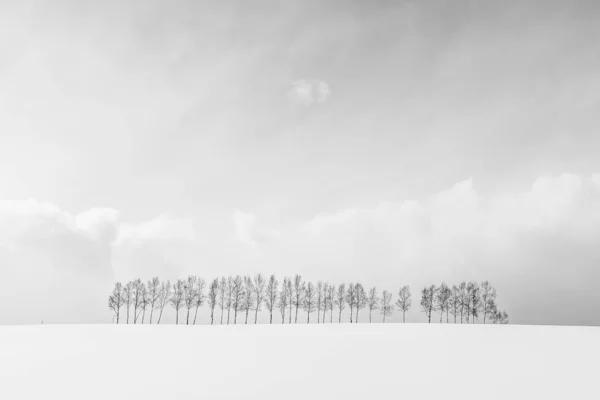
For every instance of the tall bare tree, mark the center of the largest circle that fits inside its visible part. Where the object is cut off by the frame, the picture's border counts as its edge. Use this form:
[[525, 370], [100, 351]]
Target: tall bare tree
[[330, 299], [455, 302], [442, 300], [115, 300], [474, 301], [308, 300], [177, 298], [200, 296], [372, 301], [164, 297], [222, 298], [248, 296], [351, 299], [464, 300], [153, 294], [213, 299], [386, 304], [145, 301], [259, 294], [271, 293], [404, 301], [229, 296], [237, 296], [189, 295], [319, 300], [284, 299], [290, 295], [298, 298], [137, 298], [127, 297], [360, 298], [488, 299], [340, 300], [428, 301]]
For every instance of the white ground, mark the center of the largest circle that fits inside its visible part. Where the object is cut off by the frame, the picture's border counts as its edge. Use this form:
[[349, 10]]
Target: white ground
[[345, 361]]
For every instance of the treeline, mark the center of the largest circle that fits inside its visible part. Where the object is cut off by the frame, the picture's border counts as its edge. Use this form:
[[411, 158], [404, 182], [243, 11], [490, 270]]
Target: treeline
[[245, 297]]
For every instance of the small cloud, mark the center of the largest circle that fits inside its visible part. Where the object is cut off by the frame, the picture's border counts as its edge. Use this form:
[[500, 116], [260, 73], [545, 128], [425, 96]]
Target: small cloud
[[247, 232], [307, 92]]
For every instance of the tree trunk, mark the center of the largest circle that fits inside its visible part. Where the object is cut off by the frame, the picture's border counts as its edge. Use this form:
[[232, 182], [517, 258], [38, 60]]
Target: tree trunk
[[447, 315], [351, 312], [331, 316], [212, 315], [403, 316], [151, 312], [195, 315], [357, 310], [290, 314], [177, 317], [143, 315], [340, 316], [441, 316], [247, 310], [296, 316], [256, 315], [160, 315], [307, 317], [222, 312], [187, 320], [370, 312], [127, 313], [271, 317], [318, 316], [235, 317]]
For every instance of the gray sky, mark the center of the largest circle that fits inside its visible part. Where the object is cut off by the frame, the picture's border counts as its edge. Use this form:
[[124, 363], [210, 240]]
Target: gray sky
[[388, 142]]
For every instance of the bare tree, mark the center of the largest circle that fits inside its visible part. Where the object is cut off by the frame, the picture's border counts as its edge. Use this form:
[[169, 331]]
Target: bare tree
[[153, 294], [298, 298], [351, 298], [330, 299], [247, 296], [428, 300], [442, 300], [319, 300], [115, 300], [189, 295], [213, 299], [404, 301], [177, 298], [127, 297], [200, 296], [308, 300], [259, 294], [284, 299], [474, 301], [455, 302], [290, 295], [386, 304], [372, 301], [360, 298], [222, 298], [229, 296], [340, 300], [145, 301], [464, 297], [499, 317], [164, 297], [137, 299], [237, 296], [271, 296], [488, 299]]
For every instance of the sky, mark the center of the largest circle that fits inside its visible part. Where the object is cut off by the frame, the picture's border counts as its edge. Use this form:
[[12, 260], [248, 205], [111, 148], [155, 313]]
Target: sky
[[387, 142]]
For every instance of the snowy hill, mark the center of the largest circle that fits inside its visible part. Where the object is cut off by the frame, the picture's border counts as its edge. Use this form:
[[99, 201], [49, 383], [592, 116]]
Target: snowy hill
[[360, 361]]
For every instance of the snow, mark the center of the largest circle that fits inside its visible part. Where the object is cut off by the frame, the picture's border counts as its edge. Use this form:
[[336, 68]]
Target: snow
[[331, 361]]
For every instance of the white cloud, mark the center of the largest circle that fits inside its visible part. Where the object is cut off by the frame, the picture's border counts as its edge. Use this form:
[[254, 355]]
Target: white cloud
[[307, 92]]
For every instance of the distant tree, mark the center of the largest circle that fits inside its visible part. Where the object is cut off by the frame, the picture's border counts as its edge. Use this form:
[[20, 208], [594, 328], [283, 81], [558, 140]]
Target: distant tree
[[145, 301], [455, 302], [372, 301], [213, 299], [308, 300], [404, 301], [247, 296], [153, 294], [499, 317], [229, 296], [115, 300], [259, 294], [360, 298], [177, 298], [222, 296], [237, 296], [474, 301], [428, 301], [271, 294], [442, 300], [464, 300], [488, 299], [127, 297], [386, 304], [164, 297], [298, 299], [137, 299], [330, 300], [351, 299], [189, 295], [290, 295], [283, 300], [340, 300], [320, 300], [200, 297]]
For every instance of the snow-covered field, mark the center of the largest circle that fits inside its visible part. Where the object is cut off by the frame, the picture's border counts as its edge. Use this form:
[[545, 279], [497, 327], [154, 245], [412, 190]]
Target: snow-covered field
[[359, 361]]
